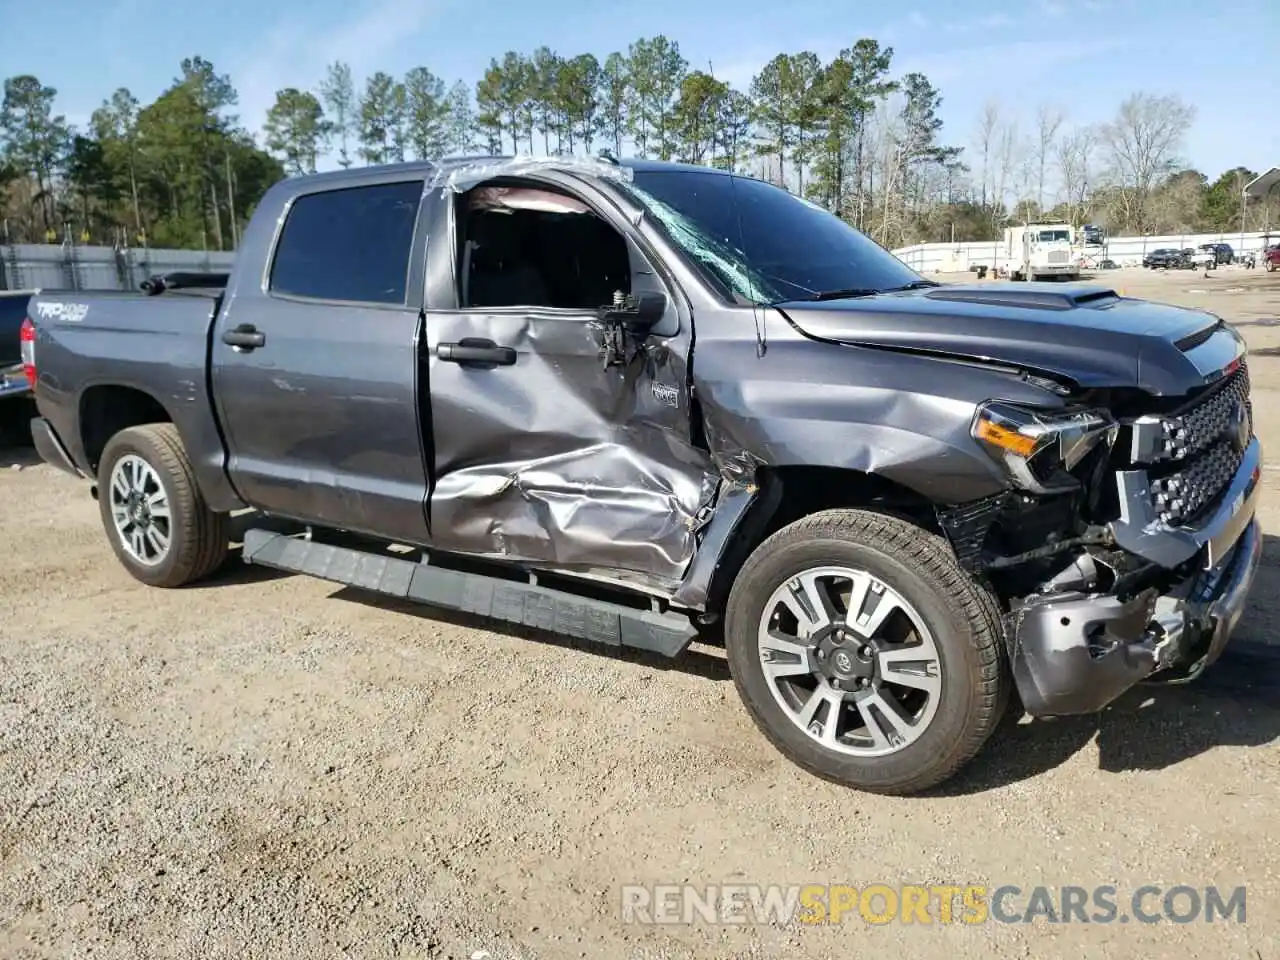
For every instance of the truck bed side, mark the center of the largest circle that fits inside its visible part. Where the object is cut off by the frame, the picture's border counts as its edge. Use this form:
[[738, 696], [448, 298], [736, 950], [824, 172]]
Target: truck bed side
[[110, 360]]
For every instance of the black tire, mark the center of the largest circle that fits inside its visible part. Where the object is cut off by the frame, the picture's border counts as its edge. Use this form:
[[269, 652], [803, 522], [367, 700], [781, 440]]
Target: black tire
[[962, 616], [199, 537]]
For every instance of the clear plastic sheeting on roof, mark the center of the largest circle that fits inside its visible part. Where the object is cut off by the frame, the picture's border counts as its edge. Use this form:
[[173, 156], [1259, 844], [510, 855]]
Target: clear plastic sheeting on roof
[[510, 199], [463, 177]]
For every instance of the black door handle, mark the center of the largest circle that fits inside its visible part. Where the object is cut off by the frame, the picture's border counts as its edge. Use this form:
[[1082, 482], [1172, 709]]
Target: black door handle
[[476, 350], [246, 337]]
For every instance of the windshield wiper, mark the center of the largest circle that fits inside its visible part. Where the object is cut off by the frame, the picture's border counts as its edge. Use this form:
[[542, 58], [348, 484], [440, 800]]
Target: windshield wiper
[[848, 292], [913, 285], [851, 292]]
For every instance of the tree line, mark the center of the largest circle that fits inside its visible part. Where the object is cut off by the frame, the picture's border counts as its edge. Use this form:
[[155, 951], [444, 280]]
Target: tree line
[[849, 134]]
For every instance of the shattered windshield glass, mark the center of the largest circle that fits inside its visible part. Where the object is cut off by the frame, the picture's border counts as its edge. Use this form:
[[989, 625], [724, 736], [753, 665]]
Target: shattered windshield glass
[[761, 244]]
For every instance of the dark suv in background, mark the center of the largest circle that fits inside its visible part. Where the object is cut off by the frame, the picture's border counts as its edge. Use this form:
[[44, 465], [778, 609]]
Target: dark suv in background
[[1167, 257]]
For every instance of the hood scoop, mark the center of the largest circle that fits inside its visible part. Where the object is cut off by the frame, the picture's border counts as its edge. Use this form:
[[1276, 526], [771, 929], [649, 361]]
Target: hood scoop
[[1032, 296]]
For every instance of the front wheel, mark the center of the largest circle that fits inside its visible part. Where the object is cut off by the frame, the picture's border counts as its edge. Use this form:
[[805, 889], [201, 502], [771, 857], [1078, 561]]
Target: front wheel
[[157, 520], [864, 653]]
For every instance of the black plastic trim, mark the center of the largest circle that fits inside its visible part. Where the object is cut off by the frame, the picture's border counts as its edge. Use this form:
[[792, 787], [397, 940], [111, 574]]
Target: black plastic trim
[[528, 604], [51, 449]]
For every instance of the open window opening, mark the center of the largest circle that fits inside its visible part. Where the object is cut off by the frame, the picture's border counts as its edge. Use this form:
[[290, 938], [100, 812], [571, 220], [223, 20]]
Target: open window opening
[[526, 245]]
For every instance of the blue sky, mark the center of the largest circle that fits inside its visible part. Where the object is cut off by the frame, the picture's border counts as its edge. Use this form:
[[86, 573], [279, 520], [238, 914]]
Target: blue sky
[[1082, 55]]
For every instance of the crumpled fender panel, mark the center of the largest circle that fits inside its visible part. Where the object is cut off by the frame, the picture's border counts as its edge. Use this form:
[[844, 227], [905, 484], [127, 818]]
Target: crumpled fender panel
[[805, 403]]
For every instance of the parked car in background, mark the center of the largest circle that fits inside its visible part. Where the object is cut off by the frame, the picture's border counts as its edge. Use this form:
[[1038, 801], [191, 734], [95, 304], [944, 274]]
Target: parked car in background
[[1222, 252], [13, 379], [1166, 257], [1271, 258], [1193, 259], [1092, 235]]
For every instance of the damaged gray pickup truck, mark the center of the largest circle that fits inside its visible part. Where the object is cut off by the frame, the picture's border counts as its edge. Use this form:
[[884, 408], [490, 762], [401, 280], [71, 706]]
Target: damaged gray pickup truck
[[642, 403]]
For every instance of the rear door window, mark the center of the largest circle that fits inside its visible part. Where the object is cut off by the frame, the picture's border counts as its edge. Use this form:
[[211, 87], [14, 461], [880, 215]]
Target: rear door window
[[351, 244]]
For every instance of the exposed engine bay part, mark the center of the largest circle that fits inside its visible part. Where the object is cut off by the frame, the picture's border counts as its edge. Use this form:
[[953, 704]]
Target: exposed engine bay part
[[1074, 652], [1081, 574]]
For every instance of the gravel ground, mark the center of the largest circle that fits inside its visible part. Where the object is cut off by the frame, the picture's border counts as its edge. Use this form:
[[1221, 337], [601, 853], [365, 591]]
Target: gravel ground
[[270, 766]]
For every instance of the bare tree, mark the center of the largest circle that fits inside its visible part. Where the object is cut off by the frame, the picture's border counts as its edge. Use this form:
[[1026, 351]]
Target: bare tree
[[885, 140], [1008, 161], [1025, 208], [1142, 144], [984, 142], [1076, 156], [1048, 122]]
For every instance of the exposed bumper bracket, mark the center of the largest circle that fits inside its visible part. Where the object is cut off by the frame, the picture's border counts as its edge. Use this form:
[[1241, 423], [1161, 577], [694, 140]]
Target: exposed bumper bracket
[[1075, 653]]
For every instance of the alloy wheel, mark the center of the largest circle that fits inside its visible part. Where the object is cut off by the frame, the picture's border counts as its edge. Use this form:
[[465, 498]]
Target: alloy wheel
[[850, 661]]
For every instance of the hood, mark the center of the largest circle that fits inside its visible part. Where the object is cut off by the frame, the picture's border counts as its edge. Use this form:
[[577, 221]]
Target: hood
[[1084, 333]]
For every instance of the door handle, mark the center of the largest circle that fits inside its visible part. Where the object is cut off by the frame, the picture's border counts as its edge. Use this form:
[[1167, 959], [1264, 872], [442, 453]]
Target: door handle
[[244, 337], [476, 350]]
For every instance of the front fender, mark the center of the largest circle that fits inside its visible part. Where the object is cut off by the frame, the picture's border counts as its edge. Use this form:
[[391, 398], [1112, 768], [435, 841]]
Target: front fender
[[899, 416]]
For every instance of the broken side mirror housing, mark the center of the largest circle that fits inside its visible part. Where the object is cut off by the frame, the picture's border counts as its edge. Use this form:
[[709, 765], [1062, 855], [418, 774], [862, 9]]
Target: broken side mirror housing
[[637, 314]]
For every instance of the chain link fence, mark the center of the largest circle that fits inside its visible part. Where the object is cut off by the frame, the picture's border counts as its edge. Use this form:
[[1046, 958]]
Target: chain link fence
[[68, 266]]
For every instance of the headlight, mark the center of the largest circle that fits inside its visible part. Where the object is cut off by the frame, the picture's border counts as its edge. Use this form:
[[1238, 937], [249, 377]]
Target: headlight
[[1039, 448]]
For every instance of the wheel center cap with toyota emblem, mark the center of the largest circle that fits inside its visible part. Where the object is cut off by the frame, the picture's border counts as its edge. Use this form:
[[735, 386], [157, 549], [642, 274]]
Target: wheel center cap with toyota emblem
[[844, 656]]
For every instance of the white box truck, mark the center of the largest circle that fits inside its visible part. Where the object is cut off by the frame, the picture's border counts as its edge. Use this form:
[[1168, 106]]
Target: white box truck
[[1041, 250]]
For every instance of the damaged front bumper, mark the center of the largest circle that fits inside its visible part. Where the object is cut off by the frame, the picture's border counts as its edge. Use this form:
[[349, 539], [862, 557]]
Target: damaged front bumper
[[1073, 653]]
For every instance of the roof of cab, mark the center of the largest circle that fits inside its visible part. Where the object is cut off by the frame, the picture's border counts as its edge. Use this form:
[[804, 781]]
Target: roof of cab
[[429, 169]]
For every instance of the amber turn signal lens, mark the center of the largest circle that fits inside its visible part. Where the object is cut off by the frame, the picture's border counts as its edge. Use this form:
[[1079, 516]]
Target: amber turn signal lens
[[1004, 438]]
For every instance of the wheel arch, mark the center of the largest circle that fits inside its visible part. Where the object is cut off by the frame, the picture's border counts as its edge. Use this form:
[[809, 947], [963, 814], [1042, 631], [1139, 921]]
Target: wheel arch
[[789, 493], [106, 409]]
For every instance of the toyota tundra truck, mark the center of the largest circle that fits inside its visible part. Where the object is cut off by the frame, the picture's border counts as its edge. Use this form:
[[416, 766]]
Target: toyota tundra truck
[[647, 404]]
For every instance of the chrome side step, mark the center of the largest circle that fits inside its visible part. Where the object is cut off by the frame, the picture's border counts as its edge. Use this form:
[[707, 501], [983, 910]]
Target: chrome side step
[[514, 601]]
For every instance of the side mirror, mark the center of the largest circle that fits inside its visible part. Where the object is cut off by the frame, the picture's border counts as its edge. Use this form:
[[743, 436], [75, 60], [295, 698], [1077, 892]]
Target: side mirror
[[637, 314]]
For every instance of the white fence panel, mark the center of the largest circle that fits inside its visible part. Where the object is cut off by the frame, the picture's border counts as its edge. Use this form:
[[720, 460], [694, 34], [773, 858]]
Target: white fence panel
[[1125, 251]]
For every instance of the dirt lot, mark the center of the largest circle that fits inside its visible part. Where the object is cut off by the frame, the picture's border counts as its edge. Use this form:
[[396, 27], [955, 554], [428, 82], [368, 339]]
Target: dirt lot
[[273, 766]]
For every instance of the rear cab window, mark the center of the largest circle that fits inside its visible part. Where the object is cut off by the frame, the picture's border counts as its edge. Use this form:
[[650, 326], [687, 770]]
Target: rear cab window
[[350, 244]]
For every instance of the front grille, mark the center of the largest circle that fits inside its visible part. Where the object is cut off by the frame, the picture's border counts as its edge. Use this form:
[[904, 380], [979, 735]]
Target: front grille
[[1201, 447], [1184, 496], [1195, 427], [1058, 256]]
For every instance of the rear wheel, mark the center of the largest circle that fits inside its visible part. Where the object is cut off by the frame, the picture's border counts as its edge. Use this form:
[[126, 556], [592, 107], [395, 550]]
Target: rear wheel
[[864, 653], [156, 519]]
